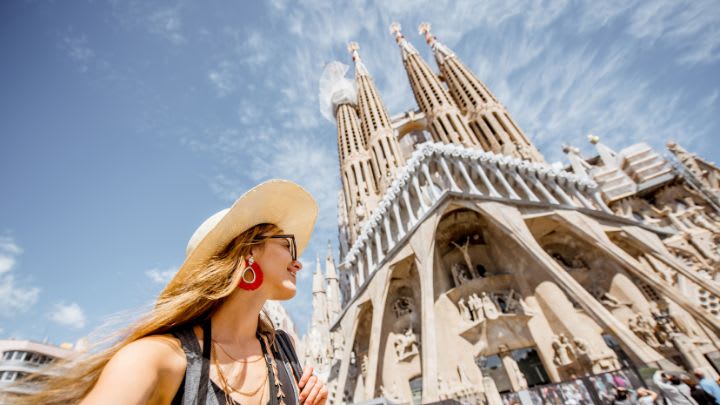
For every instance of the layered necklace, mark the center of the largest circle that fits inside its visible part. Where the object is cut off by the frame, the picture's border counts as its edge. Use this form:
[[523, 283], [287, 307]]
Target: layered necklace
[[228, 389]]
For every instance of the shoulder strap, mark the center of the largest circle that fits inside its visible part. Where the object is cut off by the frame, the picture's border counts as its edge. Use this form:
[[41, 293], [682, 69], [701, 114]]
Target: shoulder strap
[[194, 388], [287, 350]]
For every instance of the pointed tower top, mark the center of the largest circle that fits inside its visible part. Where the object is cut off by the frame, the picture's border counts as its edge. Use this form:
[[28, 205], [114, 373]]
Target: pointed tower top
[[318, 279], [406, 48], [441, 51], [578, 164], [360, 69], [330, 271], [608, 156]]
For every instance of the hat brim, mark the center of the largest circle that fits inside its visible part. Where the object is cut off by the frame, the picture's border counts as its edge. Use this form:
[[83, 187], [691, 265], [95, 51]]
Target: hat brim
[[279, 202]]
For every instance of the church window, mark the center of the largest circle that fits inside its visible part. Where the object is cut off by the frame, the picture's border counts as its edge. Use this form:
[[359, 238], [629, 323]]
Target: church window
[[492, 366], [531, 366], [416, 387]]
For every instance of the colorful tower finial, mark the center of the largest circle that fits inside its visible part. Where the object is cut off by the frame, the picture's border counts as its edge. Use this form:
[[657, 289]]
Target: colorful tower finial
[[424, 29], [360, 68], [395, 28], [353, 47]]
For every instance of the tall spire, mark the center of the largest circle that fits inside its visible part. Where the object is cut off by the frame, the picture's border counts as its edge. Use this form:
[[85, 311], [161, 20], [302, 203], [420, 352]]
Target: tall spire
[[357, 174], [489, 121], [375, 124], [333, 285], [443, 117], [318, 279]]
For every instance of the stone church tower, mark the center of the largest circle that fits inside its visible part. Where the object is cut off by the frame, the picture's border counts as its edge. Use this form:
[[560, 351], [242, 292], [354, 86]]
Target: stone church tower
[[472, 270]]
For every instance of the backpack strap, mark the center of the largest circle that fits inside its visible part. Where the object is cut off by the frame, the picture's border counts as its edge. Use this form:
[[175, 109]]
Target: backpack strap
[[287, 351]]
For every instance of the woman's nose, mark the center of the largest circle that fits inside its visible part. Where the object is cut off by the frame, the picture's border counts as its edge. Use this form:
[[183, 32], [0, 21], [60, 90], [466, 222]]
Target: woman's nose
[[297, 265]]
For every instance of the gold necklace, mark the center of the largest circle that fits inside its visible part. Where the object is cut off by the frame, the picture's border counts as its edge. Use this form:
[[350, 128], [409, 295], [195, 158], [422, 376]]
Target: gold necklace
[[227, 385], [237, 360]]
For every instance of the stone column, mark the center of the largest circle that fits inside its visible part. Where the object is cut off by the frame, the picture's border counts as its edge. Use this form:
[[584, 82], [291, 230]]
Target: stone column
[[349, 344], [378, 301], [510, 221], [422, 243], [517, 379]]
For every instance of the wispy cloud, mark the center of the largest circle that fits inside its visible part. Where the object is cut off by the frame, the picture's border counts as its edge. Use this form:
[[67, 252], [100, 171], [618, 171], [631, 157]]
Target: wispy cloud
[[77, 48], [223, 78], [161, 276], [168, 24], [14, 297], [69, 315]]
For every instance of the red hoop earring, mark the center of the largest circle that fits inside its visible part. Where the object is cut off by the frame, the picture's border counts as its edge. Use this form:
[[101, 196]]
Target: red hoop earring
[[252, 275]]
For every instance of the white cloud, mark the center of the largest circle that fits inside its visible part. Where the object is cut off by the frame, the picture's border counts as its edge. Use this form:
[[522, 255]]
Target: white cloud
[[161, 276], [168, 24], [223, 78], [70, 315], [14, 298], [6, 263]]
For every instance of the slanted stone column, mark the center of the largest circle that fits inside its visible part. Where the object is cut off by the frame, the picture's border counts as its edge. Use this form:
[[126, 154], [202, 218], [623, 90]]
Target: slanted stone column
[[592, 232], [422, 243], [510, 221], [653, 243], [379, 286], [351, 323]]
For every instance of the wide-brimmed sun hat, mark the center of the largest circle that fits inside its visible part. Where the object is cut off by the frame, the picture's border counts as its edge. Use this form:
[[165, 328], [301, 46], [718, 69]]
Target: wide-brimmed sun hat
[[279, 202]]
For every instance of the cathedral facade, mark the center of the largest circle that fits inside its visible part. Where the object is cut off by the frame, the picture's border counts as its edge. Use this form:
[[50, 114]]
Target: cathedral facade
[[472, 270]]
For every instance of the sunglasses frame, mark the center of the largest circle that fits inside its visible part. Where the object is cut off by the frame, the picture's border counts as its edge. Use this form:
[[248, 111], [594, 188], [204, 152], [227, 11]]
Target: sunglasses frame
[[293, 244]]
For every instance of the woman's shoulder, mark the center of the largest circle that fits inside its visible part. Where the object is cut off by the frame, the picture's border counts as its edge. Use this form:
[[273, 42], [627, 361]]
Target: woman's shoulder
[[160, 352]]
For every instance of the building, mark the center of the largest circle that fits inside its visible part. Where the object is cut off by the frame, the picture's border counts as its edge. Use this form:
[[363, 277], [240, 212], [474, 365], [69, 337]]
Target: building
[[472, 270], [22, 358]]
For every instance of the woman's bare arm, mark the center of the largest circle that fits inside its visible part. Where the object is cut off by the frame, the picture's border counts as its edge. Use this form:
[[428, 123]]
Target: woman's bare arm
[[147, 371]]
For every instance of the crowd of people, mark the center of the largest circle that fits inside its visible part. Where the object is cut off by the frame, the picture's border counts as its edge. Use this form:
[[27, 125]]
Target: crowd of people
[[675, 389]]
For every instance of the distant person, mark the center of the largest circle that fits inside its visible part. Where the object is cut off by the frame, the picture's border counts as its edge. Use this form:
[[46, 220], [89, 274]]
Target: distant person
[[674, 391], [622, 397], [646, 397], [708, 385], [698, 394], [207, 340]]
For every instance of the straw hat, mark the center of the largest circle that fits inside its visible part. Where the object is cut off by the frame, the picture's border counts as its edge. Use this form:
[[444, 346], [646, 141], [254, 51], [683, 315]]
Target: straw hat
[[279, 202]]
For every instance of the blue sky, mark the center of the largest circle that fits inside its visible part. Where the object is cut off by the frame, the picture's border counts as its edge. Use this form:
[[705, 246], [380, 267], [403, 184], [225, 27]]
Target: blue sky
[[126, 123]]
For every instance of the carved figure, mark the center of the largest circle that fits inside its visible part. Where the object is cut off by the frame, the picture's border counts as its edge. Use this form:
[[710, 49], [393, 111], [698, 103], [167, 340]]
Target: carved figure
[[476, 308], [464, 310], [644, 329], [406, 345], [460, 274], [465, 250], [403, 306], [491, 311], [564, 352]]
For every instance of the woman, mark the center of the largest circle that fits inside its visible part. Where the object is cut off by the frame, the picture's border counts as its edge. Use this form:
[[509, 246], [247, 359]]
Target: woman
[[206, 341]]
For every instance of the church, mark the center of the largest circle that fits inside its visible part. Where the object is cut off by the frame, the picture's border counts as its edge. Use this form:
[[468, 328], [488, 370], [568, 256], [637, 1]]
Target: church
[[472, 270]]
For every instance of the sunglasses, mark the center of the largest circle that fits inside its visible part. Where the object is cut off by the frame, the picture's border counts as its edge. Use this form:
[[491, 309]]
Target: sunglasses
[[289, 238]]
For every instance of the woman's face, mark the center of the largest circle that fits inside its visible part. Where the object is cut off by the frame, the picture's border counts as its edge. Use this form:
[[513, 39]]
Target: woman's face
[[279, 269]]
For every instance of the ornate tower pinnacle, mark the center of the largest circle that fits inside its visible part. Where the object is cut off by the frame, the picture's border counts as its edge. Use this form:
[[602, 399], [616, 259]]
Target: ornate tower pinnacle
[[489, 121], [377, 131], [444, 119], [360, 68], [360, 193], [405, 47], [333, 285]]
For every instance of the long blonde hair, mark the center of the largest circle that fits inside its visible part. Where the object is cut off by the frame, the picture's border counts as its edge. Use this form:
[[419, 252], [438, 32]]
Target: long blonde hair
[[184, 302]]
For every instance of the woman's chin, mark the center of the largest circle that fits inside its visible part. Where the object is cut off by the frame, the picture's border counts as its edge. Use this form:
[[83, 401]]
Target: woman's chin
[[287, 291]]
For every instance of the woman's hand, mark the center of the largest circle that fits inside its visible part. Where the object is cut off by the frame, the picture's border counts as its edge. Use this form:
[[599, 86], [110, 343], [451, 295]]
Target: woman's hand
[[313, 391]]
